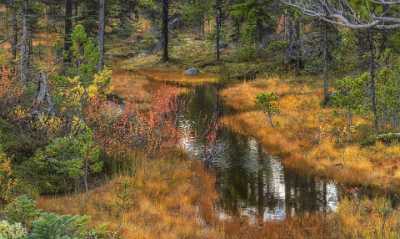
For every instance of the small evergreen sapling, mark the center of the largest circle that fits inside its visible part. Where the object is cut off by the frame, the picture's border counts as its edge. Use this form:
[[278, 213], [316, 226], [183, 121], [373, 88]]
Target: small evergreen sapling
[[268, 103], [350, 95]]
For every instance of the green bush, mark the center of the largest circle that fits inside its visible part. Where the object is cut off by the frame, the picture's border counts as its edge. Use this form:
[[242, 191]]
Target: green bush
[[51, 226], [277, 46], [22, 210], [245, 53], [65, 162]]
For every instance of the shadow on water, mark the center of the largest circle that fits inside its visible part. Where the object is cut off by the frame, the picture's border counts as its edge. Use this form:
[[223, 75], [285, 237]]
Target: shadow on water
[[250, 181]]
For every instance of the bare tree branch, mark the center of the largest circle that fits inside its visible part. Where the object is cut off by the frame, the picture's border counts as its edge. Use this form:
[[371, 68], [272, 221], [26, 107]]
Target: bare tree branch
[[341, 13]]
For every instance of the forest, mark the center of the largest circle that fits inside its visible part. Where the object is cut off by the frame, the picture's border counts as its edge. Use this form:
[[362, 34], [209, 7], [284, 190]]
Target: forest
[[178, 119]]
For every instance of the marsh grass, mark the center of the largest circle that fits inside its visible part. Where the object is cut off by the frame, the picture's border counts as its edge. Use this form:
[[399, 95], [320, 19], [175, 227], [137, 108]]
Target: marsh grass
[[311, 137], [167, 198], [177, 77]]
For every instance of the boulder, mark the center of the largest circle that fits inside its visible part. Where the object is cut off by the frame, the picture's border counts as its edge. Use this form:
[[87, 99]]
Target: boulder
[[192, 71]]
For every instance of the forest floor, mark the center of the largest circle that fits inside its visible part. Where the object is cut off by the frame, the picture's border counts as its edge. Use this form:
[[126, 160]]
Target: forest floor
[[310, 137]]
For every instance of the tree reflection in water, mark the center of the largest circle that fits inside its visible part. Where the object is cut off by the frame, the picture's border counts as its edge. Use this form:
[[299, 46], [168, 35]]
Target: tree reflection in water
[[251, 182]]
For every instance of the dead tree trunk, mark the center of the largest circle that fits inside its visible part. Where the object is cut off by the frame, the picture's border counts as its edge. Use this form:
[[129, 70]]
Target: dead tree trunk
[[25, 44], [43, 98], [101, 34], [165, 30]]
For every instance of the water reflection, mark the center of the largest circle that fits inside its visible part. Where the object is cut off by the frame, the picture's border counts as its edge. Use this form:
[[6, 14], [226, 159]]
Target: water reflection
[[250, 181]]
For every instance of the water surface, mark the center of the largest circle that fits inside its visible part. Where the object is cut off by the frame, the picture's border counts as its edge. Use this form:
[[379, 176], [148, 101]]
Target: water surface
[[250, 181]]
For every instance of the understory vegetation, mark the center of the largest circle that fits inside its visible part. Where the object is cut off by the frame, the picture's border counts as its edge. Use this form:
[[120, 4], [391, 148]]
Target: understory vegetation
[[91, 95]]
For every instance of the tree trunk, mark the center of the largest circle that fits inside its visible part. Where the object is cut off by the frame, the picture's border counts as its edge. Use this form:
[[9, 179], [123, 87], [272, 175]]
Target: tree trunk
[[67, 33], [43, 95], [202, 33], [86, 175], [299, 44], [325, 56], [165, 30], [25, 43], [294, 54], [14, 27], [218, 20], [76, 11], [349, 124], [236, 31], [372, 72], [101, 34], [269, 115]]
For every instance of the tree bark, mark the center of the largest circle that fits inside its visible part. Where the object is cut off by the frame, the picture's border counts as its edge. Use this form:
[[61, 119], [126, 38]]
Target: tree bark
[[165, 30], [67, 33], [25, 43], [271, 122], [43, 95], [14, 28], [76, 11], [372, 72], [86, 175], [294, 51], [326, 61], [101, 34]]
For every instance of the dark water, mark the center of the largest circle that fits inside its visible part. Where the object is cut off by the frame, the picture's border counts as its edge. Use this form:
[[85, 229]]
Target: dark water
[[250, 181]]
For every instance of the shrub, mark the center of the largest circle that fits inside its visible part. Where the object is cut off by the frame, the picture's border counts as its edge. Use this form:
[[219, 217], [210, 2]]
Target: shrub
[[350, 96], [51, 225], [22, 210], [101, 84], [6, 181], [12, 231], [65, 161], [277, 46], [245, 53]]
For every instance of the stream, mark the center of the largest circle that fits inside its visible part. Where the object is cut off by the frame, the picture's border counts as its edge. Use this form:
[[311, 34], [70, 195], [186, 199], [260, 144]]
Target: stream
[[250, 181]]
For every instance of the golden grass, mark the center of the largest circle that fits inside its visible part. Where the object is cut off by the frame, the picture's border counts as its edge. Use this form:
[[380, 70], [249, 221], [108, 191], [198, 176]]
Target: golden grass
[[167, 198], [177, 77], [131, 86], [307, 135]]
